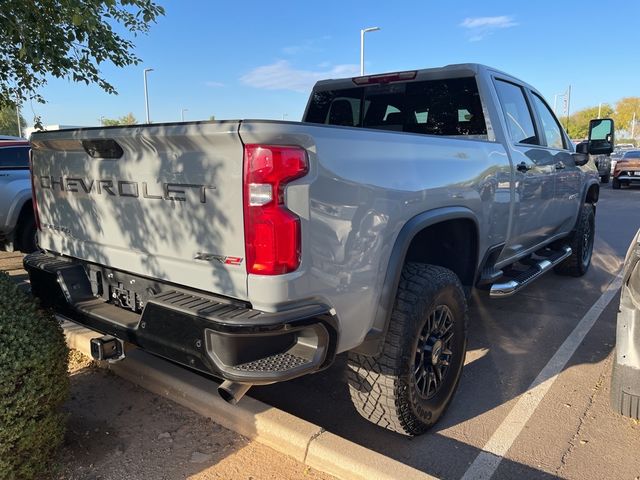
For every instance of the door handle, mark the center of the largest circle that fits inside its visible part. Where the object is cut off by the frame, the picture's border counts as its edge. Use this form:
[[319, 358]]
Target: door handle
[[560, 165], [523, 167]]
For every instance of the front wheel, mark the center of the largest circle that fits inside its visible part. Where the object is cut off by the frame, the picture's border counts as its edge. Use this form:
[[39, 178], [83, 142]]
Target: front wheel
[[581, 243], [408, 387], [27, 234], [605, 178], [615, 184]]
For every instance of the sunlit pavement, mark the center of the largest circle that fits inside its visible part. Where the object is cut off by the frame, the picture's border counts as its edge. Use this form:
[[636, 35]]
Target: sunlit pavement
[[571, 434]]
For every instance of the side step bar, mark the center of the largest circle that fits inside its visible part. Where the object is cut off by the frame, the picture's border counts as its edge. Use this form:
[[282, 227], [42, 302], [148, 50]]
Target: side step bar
[[512, 285]]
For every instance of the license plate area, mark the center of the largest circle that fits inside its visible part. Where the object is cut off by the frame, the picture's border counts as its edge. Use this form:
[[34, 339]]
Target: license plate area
[[126, 298]]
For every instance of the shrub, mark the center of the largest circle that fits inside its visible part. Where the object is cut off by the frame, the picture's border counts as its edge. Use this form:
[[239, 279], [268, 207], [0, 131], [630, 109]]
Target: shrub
[[33, 385]]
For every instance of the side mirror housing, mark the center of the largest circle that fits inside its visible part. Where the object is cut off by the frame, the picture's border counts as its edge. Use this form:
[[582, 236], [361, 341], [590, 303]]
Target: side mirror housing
[[581, 157], [601, 136], [583, 147]]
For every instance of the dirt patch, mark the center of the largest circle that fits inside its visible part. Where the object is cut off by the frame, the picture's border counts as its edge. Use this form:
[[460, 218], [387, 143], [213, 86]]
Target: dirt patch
[[117, 430]]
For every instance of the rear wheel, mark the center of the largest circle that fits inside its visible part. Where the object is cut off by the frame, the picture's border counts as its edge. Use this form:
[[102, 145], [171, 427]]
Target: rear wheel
[[408, 387], [581, 243]]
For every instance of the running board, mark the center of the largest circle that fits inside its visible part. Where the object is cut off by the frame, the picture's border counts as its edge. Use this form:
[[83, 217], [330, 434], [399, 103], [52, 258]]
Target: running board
[[512, 285]]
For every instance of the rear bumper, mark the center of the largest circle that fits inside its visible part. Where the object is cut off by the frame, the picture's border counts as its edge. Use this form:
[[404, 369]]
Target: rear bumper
[[212, 334], [628, 178]]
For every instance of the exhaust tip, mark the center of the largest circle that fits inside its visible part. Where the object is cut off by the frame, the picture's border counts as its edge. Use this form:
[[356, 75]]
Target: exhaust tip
[[232, 392]]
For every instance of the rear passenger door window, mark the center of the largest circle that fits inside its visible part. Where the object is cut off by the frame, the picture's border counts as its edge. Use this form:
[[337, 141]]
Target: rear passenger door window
[[550, 127], [14, 157], [517, 113]]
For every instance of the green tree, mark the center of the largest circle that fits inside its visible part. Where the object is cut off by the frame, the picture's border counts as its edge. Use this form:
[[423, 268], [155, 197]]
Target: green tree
[[9, 121], [625, 108], [128, 119], [66, 39], [579, 121]]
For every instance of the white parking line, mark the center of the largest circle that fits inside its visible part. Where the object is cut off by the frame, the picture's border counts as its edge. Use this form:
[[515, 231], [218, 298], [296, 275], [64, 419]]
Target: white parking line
[[487, 461]]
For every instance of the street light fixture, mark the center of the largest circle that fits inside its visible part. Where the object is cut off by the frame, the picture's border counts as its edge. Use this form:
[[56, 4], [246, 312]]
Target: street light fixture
[[362, 32], [182, 113], [146, 93]]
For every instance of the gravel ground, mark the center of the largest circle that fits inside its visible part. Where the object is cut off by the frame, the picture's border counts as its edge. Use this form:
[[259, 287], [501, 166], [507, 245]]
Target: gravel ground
[[117, 430]]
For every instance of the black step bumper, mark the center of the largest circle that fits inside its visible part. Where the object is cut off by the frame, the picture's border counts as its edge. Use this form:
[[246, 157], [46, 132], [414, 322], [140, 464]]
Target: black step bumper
[[216, 335]]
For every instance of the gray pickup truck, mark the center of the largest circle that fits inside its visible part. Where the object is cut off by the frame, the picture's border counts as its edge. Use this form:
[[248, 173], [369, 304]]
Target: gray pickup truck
[[257, 250], [17, 223]]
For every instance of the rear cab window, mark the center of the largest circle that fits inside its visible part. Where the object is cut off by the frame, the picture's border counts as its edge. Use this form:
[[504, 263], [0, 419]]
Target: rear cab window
[[449, 107], [14, 157]]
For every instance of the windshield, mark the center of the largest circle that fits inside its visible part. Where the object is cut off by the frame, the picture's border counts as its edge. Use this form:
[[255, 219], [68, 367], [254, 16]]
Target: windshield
[[449, 107], [632, 154]]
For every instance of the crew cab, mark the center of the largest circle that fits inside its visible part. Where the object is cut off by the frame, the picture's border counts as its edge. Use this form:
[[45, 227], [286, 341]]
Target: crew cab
[[17, 223], [257, 250]]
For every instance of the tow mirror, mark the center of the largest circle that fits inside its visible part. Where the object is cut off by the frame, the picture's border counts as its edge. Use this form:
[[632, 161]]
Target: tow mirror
[[601, 136]]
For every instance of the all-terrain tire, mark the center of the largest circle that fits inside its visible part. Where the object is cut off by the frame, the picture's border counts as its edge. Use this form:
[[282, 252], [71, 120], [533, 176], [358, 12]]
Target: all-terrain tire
[[27, 232], [615, 184], [581, 243], [387, 389]]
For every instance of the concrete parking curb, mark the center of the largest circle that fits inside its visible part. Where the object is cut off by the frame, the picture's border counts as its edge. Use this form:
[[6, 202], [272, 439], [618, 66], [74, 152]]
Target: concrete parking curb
[[297, 438]]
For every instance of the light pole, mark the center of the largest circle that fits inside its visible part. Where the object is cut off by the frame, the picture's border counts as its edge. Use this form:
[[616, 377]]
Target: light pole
[[182, 113], [362, 32], [18, 115], [633, 126], [146, 93]]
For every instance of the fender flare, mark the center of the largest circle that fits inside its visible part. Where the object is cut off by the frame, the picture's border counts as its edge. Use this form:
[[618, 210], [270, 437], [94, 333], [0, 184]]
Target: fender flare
[[374, 340], [587, 187]]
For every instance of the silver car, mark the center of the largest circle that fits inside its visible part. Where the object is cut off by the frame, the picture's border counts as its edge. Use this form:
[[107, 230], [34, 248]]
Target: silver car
[[625, 381]]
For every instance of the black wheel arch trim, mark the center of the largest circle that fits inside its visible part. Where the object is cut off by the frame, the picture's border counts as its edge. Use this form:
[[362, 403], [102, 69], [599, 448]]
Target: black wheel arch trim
[[586, 189], [374, 340]]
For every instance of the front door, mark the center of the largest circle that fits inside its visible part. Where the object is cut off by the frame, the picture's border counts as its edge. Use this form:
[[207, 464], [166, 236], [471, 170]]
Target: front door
[[534, 173]]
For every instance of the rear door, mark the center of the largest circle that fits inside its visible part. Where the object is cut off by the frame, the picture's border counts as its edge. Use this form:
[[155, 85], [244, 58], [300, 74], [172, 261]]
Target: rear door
[[161, 201]]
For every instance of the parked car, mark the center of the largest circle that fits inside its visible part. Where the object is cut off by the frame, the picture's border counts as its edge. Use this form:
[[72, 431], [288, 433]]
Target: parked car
[[618, 152], [627, 170], [17, 221], [257, 250], [625, 379]]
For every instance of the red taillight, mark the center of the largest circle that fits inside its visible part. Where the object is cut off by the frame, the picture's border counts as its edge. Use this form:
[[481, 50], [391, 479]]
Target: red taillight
[[271, 231], [33, 192]]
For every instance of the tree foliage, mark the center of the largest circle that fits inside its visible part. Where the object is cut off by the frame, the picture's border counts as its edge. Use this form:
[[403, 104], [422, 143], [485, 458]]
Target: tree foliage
[[66, 39], [128, 119], [9, 121], [625, 107], [579, 121]]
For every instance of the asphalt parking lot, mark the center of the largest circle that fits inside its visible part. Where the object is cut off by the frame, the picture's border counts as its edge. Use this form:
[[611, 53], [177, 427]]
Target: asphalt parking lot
[[571, 434], [563, 427]]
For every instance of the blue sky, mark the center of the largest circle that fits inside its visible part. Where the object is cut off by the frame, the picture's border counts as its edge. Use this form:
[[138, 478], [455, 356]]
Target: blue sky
[[259, 59]]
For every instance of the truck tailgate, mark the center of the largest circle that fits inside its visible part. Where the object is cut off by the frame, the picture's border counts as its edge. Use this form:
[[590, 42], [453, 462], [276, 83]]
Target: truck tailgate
[[168, 205]]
